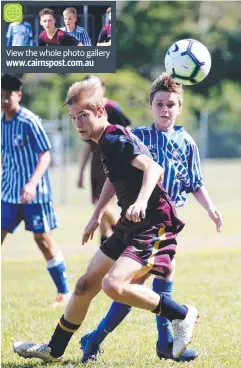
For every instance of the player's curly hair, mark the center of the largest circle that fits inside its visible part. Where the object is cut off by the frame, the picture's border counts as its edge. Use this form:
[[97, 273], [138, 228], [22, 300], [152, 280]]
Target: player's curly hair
[[87, 93], [165, 83]]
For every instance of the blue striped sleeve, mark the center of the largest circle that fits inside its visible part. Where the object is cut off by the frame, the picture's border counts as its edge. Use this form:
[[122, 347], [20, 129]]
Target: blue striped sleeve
[[85, 39], [194, 170], [39, 139], [9, 35], [30, 40]]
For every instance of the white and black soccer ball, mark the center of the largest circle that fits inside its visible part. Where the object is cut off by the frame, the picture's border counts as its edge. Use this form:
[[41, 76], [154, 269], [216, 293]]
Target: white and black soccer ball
[[188, 61]]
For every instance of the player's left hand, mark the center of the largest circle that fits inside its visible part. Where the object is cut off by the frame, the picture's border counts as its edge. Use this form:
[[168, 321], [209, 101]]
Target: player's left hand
[[28, 192], [137, 211], [217, 218], [90, 229]]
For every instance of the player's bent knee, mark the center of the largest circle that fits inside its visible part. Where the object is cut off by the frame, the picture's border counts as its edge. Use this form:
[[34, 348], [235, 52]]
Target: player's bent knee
[[87, 286], [112, 287], [82, 286]]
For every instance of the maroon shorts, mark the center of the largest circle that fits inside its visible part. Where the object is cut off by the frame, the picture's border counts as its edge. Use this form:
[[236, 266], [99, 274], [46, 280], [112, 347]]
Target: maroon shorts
[[151, 242]]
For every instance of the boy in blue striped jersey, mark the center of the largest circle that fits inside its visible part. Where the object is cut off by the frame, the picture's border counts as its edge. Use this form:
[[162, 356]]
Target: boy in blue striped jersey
[[26, 191], [177, 153], [70, 19], [20, 34]]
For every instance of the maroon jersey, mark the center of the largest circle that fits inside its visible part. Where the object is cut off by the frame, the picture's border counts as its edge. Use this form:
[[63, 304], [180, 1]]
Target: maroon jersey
[[118, 147], [115, 116], [152, 241], [60, 38]]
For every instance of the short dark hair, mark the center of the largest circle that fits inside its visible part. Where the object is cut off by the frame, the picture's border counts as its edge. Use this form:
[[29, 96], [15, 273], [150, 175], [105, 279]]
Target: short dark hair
[[46, 11], [11, 82]]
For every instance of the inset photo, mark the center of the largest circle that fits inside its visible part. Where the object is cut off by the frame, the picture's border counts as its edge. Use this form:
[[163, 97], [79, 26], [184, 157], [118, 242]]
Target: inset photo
[[50, 24], [59, 37]]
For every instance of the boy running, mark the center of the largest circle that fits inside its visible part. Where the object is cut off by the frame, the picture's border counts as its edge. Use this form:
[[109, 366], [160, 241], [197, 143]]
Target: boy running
[[144, 239], [97, 176], [26, 190], [178, 154]]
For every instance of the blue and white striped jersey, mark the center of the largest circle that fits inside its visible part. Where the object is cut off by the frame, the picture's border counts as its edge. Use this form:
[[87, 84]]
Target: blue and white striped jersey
[[23, 139], [20, 34], [178, 154], [80, 34]]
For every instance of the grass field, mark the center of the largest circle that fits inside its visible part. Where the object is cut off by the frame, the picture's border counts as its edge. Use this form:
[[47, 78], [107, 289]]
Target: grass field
[[208, 275]]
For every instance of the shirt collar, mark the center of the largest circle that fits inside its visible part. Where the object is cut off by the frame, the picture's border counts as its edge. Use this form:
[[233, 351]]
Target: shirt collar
[[177, 128]]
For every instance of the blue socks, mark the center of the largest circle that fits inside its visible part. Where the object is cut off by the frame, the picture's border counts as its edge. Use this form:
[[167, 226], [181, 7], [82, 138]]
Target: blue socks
[[113, 318], [118, 312], [57, 269], [165, 336]]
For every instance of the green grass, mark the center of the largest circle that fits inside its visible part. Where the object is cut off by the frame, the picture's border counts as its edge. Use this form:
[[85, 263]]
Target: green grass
[[208, 275]]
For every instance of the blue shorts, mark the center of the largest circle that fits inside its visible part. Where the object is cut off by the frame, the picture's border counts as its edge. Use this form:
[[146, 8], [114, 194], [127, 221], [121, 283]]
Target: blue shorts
[[38, 218]]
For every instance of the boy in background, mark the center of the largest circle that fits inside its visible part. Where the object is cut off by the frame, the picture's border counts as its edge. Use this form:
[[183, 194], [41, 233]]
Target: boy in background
[[26, 190], [70, 19]]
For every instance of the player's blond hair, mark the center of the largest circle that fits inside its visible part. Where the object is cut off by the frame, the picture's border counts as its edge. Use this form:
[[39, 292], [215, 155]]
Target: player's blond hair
[[165, 83], [87, 93], [70, 11]]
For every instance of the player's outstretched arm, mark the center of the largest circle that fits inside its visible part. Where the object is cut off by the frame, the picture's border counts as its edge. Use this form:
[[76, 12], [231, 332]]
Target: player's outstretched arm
[[29, 189], [152, 174], [85, 155], [106, 196], [202, 196]]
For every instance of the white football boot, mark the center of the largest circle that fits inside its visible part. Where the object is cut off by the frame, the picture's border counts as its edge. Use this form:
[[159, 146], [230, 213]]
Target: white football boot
[[32, 350], [183, 330]]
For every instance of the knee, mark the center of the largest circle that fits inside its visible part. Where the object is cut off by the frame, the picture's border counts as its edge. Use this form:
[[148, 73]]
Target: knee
[[42, 242], [82, 286], [112, 287], [87, 286]]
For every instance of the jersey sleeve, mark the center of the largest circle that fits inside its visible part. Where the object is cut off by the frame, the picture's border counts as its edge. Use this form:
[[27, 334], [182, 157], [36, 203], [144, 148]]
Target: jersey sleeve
[[194, 170], [85, 39], [38, 137], [9, 35], [116, 116], [102, 36], [30, 40], [68, 40], [121, 149], [41, 41]]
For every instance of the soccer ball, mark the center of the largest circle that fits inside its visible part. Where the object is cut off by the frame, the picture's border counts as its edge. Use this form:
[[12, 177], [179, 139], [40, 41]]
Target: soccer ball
[[188, 61]]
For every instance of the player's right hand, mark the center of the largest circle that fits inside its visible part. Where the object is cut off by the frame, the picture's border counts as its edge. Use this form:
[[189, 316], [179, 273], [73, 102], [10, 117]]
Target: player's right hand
[[217, 218], [90, 229], [137, 211]]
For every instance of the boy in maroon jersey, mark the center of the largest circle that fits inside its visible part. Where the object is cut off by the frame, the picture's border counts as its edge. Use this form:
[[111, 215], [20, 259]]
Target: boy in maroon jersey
[[98, 177], [52, 36], [144, 239], [104, 38]]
